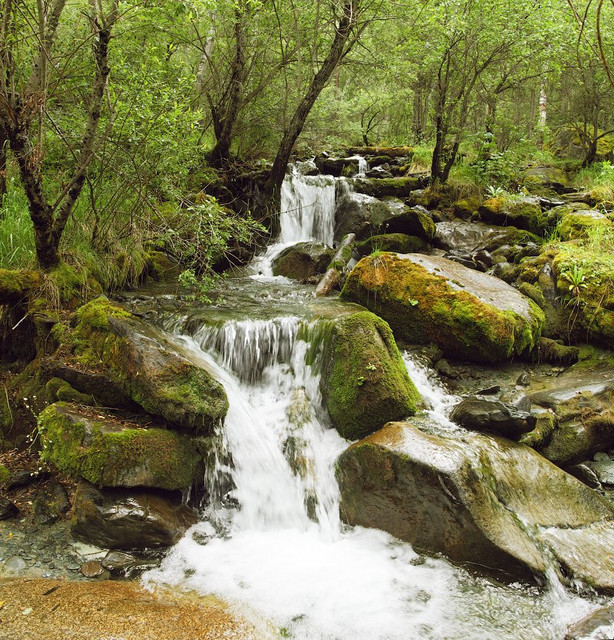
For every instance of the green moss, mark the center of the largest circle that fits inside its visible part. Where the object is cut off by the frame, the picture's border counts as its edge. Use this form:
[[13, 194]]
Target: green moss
[[466, 207], [83, 447], [364, 380], [381, 187], [5, 475], [14, 285], [394, 242], [533, 292], [159, 265], [518, 213], [58, 389], [421, 308], [579, 225]]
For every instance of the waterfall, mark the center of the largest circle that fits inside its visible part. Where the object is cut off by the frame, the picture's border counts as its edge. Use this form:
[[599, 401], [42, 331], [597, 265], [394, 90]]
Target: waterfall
[[270, 541]]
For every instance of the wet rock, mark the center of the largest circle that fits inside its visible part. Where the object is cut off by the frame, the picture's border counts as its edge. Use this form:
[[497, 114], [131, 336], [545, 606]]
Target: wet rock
[[523, 213], [364, 382], [105, 392], [598, 624], [546, 177], [468, 314], [381, 171], [365, 216], [25, 477], [554, 352], [123, 519], [337, 166], [94, 569], [50, 503], [582, 401], [492, 416], [14, 566], [478, 499], [302, 260], [382, 187], [148, 366], [603, 469], [120, 563], [7, 509], [95, 446], [393, 242], [476, 236], [524, 379]]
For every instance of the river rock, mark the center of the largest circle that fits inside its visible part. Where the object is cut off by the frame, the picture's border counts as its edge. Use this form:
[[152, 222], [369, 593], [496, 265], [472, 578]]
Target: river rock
[[478, 499], [365, 216], [546, 177], [302, 260], [96, 446], [148, 367], [468, 314], [50, 503], [597, 625], [382, 187], [337, 166], [523, 213], [582, 400], [364, 382], [395, 242], [129, 520], [578, 224], [475, 236], [493, 416]]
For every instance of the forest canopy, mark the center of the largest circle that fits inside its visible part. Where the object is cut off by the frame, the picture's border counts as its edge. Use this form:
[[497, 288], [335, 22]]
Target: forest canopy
[[125, 126]]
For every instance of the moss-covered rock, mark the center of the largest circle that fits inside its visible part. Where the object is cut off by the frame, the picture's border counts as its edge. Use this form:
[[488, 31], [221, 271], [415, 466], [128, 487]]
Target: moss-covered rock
[[100, 449], [523, 213], [580, 223], [5, 475], [483, 500], [394, 242], [58, 389], [302, 260], [467, 207], [366, 216], [15, 285], [585, 283], [382, 187], [364, 381], [148, 367], [468, 314], [536, 178]]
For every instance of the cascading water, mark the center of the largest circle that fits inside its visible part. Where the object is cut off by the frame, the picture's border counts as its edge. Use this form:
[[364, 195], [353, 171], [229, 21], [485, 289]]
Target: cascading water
[[271, 542], [307, 215]]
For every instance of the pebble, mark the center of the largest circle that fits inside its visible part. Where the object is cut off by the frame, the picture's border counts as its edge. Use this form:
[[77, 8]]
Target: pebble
[[93, 569], [15, 565]]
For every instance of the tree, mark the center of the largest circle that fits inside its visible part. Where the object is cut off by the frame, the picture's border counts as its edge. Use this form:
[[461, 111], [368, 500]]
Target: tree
[[28, 37]]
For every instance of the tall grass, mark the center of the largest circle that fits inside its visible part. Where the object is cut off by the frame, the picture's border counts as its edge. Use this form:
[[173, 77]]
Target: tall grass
[[598, 174], [16, 236]]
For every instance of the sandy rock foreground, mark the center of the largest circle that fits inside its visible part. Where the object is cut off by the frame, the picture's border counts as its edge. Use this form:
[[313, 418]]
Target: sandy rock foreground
[[61, 610]]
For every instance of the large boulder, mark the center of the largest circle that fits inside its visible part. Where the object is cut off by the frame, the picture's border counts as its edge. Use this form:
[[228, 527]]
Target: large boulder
[[90, 444], [546, 178], [131, 520], [364, 381], [147, 366], [395, 242], [523, 213], [483, 500], [474, 236], [581, 222], [468, 314], [302, 260], [366, 216]]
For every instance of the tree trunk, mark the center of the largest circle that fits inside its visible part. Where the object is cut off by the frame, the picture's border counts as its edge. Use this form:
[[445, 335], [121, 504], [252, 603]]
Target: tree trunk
[[225, 116], [3, 184], [338, 48]]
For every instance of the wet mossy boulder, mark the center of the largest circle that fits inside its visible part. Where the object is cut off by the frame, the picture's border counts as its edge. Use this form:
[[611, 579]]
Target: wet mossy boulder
[[580, 223], [468, 314], [302, 260], [523, 213], [381, 187], [365, 216], [129, 519], [581, 402], [364, 382], [553, 178], [490, 415], [482, 500], [477, 236], [148, 367], [108, 452], [394, 242], [584, 282]]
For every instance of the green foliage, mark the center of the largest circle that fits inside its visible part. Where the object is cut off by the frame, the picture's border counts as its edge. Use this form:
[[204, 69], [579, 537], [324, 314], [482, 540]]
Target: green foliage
[[16, 237]]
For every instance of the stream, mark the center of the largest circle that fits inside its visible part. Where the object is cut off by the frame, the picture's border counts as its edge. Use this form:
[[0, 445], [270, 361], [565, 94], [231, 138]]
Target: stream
[[270, 541]]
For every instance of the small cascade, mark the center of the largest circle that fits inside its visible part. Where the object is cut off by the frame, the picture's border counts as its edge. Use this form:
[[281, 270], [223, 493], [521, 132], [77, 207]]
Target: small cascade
[[363, 165], [307, 208]]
